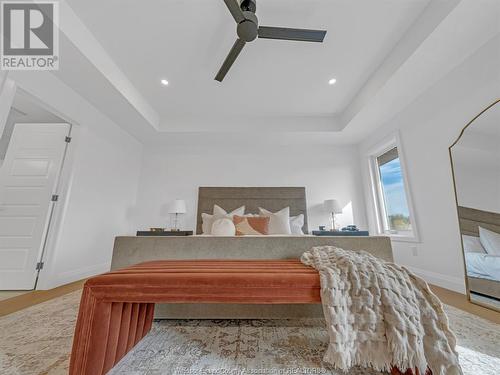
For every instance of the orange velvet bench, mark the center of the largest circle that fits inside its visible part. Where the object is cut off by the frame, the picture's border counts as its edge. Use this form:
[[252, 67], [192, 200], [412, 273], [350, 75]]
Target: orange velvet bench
[[116, 309]]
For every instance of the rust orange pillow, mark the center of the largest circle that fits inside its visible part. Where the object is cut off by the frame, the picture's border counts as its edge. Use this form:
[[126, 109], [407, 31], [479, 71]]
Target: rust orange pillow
[[251, 225]]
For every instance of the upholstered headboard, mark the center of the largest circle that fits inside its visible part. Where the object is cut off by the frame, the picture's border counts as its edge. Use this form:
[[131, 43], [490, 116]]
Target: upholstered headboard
[[270, 198], [471, 219]]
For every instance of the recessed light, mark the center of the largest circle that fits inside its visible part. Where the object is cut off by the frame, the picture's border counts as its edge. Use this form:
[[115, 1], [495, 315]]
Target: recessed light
[[332, 81], [164, 82]]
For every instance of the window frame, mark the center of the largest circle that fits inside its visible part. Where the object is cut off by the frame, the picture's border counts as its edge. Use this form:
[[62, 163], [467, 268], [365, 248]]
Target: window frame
[[378, 195]]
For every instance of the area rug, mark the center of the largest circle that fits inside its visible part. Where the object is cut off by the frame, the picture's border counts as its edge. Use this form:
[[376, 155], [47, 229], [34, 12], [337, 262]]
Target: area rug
[[37, 341]]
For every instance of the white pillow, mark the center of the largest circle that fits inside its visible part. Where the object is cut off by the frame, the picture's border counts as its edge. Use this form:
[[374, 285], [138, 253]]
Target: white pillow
[[223, 227], [490, 241], [207, 220], [206, 223], [279, 222], [473, 245], [296, 224]]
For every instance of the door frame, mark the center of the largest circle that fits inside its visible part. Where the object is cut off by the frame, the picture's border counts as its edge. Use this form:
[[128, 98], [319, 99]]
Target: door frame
[[63, 190]]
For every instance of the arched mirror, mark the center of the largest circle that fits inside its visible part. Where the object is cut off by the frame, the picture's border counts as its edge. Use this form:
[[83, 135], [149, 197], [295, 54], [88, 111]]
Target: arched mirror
[[475, 158]]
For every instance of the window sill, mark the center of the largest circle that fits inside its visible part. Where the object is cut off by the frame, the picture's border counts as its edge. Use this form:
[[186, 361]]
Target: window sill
[[401, 238]]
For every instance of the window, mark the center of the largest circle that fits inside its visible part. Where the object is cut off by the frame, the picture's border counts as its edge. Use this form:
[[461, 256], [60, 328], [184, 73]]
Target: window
[[391, 194]]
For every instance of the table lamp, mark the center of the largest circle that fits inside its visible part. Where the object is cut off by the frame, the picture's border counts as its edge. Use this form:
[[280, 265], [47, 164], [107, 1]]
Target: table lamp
[[177, 207], [332, 206]]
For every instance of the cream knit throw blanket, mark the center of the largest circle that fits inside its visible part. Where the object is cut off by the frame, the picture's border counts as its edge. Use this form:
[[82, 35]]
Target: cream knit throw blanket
[[380, 315]]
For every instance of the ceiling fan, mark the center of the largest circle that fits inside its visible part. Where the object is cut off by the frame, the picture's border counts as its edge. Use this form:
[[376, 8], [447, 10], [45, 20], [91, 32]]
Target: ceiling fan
[[248, 29]]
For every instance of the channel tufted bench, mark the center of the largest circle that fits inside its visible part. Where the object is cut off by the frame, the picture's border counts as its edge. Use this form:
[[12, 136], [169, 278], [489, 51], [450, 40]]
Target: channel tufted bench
[[116, 309]]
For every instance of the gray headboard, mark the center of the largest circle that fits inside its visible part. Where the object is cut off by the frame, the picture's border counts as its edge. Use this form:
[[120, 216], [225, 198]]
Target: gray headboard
[[270, 198], [470, 219]]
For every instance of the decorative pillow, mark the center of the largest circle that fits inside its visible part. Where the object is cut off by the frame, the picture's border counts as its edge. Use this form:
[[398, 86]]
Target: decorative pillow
[[490, 241], [473, 244], [223, 227], [207, 220], [296, 224], [279, 222], [206, 223], [219, 211], [251, 225]]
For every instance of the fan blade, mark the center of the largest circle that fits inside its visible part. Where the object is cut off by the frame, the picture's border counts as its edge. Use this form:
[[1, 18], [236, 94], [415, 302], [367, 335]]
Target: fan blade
[[231, 57], [302, 35], [235, 10]]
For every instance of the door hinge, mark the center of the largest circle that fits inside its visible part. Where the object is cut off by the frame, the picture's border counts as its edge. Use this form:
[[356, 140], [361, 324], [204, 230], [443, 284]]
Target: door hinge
[[55, 198], [67, 139], [39, 266]]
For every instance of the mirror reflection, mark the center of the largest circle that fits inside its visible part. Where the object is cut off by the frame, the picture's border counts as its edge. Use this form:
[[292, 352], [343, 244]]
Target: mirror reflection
[[476, 166]]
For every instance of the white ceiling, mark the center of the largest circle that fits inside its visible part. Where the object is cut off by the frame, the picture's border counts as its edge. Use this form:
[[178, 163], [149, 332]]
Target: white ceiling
[[186, 42], [385, 54]]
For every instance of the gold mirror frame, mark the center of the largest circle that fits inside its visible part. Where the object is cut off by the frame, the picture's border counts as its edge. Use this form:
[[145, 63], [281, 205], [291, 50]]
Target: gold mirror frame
[[491, 307]]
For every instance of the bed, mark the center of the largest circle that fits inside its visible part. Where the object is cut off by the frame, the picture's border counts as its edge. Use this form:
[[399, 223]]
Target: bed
[[130, 250], [483, 270]]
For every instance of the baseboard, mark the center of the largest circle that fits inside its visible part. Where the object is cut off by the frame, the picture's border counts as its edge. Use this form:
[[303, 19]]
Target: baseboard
[[78, 274], [456, 284]]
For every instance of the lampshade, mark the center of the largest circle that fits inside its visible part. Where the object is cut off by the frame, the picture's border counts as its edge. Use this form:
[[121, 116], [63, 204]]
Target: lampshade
[[177, 207], [333, 205]]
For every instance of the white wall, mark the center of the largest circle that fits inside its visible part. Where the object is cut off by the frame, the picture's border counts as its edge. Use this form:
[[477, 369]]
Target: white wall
[[326, 172], [102, 171], [427, 128]]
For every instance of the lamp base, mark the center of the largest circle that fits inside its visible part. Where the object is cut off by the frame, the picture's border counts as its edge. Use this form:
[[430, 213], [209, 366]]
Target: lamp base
[[333, 227]]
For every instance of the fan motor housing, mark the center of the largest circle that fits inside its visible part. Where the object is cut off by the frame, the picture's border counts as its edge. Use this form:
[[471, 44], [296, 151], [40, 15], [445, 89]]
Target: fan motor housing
[[248, 29]]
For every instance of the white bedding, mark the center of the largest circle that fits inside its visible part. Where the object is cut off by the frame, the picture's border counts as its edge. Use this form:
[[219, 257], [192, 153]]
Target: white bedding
[[484, 266], [479, 263]]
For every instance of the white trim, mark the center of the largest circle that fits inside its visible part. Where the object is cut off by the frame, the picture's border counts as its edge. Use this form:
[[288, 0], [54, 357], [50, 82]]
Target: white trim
[[7, 94], [393, 140], [457, 284], [409, 195], [39, 102], [3, 78]]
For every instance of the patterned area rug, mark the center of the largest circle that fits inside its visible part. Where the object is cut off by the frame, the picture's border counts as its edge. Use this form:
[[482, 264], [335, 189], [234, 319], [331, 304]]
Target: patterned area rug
[[38, 340]]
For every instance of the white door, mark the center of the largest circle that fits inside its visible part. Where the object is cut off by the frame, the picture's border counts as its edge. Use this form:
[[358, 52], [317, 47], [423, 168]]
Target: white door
[[28, 179]]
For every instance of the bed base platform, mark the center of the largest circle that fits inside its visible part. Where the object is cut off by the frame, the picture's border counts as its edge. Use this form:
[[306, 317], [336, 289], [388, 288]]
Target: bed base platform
[[117, 308]]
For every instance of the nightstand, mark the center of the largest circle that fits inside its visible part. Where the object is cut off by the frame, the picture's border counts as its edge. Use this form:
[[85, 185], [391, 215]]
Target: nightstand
[[165, 233], [361, 233]]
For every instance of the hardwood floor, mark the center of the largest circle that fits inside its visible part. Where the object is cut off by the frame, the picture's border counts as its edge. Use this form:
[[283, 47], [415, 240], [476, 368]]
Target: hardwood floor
[[34, 297], [6, 294], [30, 298], [460, 302]]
